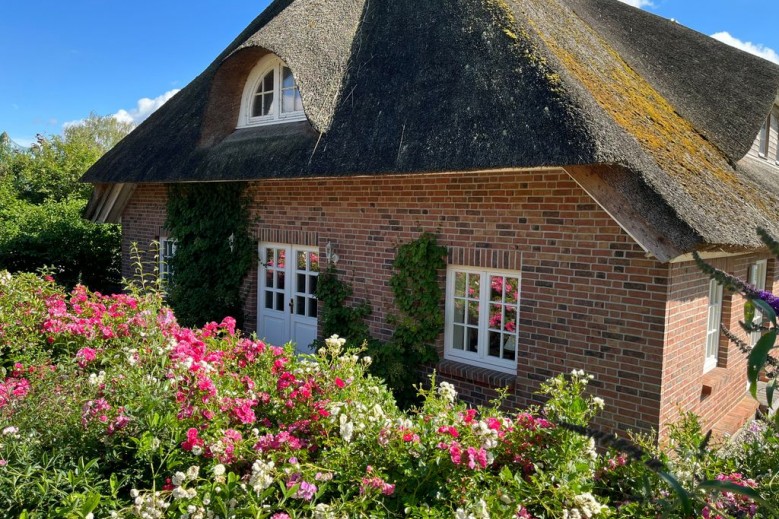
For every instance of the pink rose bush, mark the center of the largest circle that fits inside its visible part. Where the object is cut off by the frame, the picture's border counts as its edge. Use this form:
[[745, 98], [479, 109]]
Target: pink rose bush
[[152, 419]]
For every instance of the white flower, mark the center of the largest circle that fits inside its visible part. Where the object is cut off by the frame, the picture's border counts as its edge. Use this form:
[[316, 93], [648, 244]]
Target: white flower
[[588, 504], [197, 450], [193, 472], [191, 493], [347, 428], [219, 470], [179, 493], [5, 277], [447, 392], [178, 479], [261, 477], [90, 515], [463, 514], [598, 402], [10, 430], [481, 511], [134, 493]]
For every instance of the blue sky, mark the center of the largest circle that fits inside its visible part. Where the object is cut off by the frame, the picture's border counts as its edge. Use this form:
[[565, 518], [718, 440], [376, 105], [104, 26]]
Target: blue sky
[[62, 60]]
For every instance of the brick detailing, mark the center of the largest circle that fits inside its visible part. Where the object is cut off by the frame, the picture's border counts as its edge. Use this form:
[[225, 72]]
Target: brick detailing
[[266, 235], [484, 257]]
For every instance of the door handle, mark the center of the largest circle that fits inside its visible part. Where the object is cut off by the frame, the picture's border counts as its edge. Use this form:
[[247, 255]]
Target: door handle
[[291, 305]]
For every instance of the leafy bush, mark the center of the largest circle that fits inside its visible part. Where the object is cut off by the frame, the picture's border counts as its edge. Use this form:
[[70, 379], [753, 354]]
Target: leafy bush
[[55, 235], [108, 407]]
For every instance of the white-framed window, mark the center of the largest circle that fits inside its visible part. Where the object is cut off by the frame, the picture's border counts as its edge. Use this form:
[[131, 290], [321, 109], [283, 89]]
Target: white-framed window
[[765, 137], [167, 251], [757, 278], [482, 317], [270, 95], [713, 326]]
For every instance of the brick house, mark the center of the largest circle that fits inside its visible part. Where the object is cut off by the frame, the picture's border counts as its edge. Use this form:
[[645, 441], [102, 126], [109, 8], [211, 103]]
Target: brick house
[[570, 154]]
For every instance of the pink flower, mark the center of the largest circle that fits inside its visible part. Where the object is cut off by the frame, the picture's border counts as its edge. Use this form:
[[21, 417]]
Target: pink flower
[[340, 383], [85, 356], [192, 440]]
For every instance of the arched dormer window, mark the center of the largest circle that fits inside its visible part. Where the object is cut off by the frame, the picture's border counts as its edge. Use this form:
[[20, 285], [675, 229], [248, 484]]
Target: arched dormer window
[[271, 95]]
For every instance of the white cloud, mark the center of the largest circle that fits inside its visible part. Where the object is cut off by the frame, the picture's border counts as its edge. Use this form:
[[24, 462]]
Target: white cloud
[[144, 108], [753, 48], [638, 3]]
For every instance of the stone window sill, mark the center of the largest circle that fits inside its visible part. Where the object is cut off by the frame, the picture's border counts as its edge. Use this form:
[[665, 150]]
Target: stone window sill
[[713, 381]]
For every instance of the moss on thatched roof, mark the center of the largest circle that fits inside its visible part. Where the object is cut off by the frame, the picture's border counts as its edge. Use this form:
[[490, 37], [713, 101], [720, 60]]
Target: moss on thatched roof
[[468, 85]]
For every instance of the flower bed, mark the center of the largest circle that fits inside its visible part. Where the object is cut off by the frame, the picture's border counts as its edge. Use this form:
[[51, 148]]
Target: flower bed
[[109, 408]]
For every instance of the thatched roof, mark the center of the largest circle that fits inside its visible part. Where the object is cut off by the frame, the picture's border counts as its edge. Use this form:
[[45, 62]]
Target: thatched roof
[[469, 85]]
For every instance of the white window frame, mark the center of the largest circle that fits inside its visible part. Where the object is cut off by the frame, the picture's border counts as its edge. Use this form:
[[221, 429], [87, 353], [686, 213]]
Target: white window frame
[[481, 357], [758, 273], [275, 116], [713, 322], [765, 137], [166, 253]]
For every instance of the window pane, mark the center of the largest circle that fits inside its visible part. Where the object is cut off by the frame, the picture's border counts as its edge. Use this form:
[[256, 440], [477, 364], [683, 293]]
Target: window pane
[[473, 286], [496, 288], [257, 110], [314, 261], [459, 284], [494, 344], [312, 308], [267, 103], [298, 101], [282, 258], [459, 311], [512, 290], [510, 319], [288, 80], [473, 313], [301, 260], [510, 348], [300, 305], [267, 82], [301, 278], [280, 302], [312, 281], [288, 101], [457, 338], [269, 300], [496, 317], [269, 278], [472, 339]]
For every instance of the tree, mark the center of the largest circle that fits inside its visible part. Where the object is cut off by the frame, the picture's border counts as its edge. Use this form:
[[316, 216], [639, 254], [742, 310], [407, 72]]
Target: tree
[[42, 200], [52, 167]]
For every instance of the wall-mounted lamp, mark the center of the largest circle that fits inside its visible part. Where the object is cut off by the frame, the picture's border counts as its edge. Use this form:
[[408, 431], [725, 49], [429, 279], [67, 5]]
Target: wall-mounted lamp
[[330, 256]]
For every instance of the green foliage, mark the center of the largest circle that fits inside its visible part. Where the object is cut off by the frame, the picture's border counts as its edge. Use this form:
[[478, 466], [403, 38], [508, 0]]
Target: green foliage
[[337, 317], [55, 235], [213, 250], [50, 170], [41, 202], [418, 295]]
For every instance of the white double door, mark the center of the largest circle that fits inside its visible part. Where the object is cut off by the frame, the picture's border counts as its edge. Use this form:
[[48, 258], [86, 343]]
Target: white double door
[[287, 304]]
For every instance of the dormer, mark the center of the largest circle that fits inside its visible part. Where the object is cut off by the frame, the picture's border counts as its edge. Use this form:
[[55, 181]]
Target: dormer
[[766, 145], [270, 95]]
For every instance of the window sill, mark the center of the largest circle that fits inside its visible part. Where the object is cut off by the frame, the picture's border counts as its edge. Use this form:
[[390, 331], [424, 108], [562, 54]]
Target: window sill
[[481, 376], [713, 380]]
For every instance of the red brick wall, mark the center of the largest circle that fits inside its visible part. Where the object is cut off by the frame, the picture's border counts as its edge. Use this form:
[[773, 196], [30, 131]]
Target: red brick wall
[[142, 224], [683, 379], [590, 298]]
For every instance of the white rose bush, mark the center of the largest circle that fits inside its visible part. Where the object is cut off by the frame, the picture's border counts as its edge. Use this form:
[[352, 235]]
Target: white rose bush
[[109, 408]]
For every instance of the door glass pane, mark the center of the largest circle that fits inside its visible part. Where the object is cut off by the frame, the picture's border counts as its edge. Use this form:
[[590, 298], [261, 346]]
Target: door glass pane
[[300, 305], [312, 308], [269, 300], [312, 284], [314, 261], [473, 286], [280, 280], [301, 283], [280, 302]]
